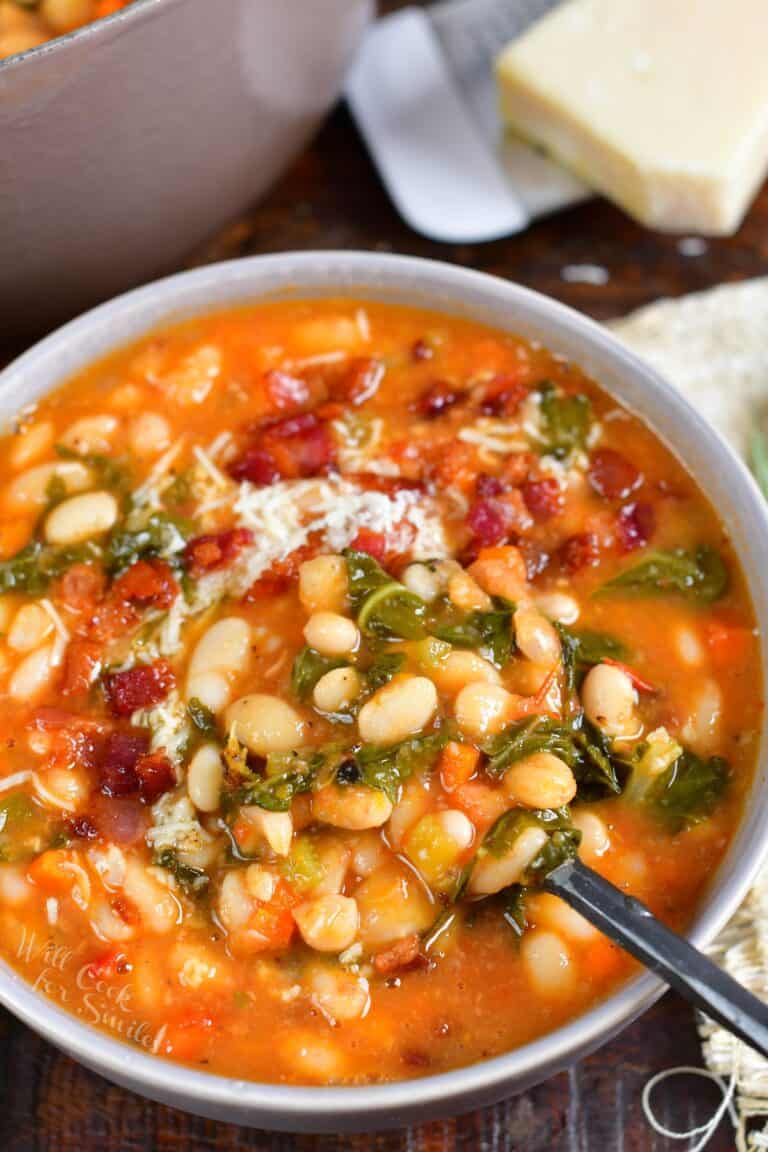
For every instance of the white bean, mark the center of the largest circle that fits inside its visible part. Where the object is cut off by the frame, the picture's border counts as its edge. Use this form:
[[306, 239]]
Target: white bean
[[29, 628], [158, 908], [15, 889], [482, 709], [32, 675], [352, 806], [492, 873], [421, 580], [219, 657], [689, 647], [460, 667], [535, 636], [275, 827], [149, 434], [701, 729], [401, 708], [336, 690], [393, 903], [339, 995], [81, 517], [540, 781], [31, 488], [558, 606], [324, 584], [548, 964], [609, 699], [235, 904], [414, 801], [554, 914], [466, 593], [91, 434], [331, 634], [260, 882], [31, 442], [265, 724], [204, 778], [595, 840], [328, 924]]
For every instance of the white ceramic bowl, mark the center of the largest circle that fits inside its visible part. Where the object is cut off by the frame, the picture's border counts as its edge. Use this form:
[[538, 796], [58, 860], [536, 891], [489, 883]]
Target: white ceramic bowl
[[131, 140], [721, 475]]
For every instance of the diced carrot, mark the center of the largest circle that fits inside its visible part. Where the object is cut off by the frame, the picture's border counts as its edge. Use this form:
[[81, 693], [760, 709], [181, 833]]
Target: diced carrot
[[729, 645], [500, 571], [47, 871], [458, 762], [481, 803]]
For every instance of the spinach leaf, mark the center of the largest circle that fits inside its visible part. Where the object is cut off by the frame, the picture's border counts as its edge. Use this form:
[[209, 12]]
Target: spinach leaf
[[202, 717], [193, 881], [490, 632], [561, 845], [287, 774], [566, 421], [276, 793], [110, 473], [388, 767], [513, 909], [35, 566], [584, 649], [688, 792], [699, 575], [155, 535], [309, 667], [384, 666], [383, 606], [580, 744]]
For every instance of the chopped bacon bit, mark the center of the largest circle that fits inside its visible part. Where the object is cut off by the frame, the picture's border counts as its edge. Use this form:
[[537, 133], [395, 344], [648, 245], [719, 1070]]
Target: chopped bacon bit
[[360, 382], [580, 551], [290, 427], [112, 618], [155, 774], [139, 687], [82, 828], [256, 465], [487, 523], [636, 525], [535, 557], [375, 482], [401, 956], [543, 498], [438, 399], [147, 583], [286, 391], [82, 586], [456, 465], [207, 553], [119, 819], [638, 682], [487, 485], [82, 663], [501, 396], [612, 475], [374, 543], [54, 719], [117, 763], [420, 351]]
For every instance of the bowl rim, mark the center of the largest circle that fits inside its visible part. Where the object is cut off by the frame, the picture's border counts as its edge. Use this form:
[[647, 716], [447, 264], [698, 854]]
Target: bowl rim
[[167, 301], [136, 10]]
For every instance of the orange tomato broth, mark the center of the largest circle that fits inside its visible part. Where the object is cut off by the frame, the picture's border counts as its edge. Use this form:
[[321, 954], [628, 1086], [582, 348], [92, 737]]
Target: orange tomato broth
[[191, 992], [25, 26]]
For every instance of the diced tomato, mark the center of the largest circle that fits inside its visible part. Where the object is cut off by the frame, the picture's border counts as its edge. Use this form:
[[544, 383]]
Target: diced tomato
[[543, 498], [480, 802], [458, 763], [147, 583], [82, 663], [440, 397], [112, 618], [455, 464], [139, 687], [636, 525], [487, 486], [117, 762], [612, 475], [729, 645], [580, 551], [155, 774], [638, 682], [207, 553], [374, 543]]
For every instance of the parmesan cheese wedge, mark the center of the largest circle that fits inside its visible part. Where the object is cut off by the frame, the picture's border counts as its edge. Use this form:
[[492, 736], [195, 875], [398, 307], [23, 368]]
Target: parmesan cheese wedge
[[662, 105]]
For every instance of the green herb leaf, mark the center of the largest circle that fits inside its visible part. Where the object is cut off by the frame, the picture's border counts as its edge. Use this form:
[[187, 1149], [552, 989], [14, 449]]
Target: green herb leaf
[[202, 717], [309, 667], [689, 791], [383, 606], [193, 881], [34, 567], [110, 473], [565, 421], [513, 910], [384, 666], [287, 774], [388, 767], [699, 575], [303, 867], [157, 534], [276, 793], [562, 839], [490, 632], [579, 744]]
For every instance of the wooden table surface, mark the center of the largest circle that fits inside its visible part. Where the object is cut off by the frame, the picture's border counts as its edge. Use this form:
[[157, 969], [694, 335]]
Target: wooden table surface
[[332, 198]]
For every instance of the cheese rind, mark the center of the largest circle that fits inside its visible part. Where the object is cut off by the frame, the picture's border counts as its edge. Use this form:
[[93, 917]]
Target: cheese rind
[[661, 105]]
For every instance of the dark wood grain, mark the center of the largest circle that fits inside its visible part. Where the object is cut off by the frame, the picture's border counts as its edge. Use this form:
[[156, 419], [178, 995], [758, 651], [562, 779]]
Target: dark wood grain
[[332, 198]]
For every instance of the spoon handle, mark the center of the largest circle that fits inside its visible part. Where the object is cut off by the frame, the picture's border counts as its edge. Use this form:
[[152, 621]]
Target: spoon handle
[[630, 924]]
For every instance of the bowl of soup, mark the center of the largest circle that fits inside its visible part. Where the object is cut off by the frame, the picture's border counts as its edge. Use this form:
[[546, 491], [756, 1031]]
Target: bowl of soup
[[136, 130], [343, 595]]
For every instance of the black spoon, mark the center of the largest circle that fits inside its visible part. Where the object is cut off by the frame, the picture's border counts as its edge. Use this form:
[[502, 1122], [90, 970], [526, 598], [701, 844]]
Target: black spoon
[[629, 923]]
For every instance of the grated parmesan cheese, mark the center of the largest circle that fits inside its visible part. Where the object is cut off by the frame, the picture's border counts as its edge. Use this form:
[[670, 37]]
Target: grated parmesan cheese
[[175, 825], [169, 725]]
